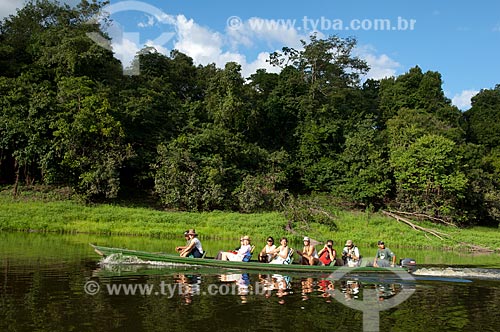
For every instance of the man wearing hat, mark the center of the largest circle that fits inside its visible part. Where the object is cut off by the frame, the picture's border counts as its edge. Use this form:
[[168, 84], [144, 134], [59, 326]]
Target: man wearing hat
[[350, 254], [385, 257], [181, 248], [194, 247], [309, 255]]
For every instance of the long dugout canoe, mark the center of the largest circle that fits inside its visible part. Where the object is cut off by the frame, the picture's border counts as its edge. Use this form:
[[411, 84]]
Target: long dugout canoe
[[252, 265]]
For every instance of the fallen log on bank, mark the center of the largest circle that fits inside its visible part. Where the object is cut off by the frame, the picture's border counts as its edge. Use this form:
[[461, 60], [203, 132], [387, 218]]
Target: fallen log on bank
[[437, 234], [426, 216]]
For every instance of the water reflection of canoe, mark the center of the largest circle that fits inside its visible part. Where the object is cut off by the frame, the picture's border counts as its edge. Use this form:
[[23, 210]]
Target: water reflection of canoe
[[252, 265]]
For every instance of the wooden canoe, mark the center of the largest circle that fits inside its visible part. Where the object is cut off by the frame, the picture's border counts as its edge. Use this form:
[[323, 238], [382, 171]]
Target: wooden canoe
[[252, 265]]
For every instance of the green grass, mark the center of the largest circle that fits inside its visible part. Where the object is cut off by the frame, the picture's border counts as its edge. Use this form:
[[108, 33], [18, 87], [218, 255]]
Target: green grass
[[52, 213]]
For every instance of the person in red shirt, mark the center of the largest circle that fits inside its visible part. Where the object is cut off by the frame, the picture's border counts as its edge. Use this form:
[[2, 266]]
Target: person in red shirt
[[328, 255]]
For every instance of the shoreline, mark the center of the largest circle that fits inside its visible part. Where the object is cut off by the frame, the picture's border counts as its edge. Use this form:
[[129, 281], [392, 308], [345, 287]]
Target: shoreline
[[71, 217]]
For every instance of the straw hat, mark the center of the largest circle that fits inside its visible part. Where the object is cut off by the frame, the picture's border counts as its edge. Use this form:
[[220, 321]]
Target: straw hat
[[246, 237], [192, 232]]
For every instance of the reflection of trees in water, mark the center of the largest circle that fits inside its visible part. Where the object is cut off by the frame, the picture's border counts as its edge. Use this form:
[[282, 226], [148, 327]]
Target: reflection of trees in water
[[51, 297]]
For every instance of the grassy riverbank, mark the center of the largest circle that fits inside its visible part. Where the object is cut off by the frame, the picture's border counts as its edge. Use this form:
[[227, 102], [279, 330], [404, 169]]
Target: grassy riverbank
[[46, 213]]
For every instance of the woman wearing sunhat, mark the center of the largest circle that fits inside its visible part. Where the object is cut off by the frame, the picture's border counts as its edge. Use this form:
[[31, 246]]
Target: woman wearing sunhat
[[241, 253], [194, 247]]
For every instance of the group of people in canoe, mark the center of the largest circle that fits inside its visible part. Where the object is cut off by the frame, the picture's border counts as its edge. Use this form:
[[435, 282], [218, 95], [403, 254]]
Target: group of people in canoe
[[282, 254]]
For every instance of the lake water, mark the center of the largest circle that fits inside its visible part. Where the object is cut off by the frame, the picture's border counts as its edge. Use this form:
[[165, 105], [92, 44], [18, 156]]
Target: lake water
[[57, 283]]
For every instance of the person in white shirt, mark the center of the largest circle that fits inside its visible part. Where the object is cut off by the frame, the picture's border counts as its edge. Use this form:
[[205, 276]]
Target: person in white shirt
[[309, 255], [241, 253], [194, 247], [281, 255], [266, 253], [350, 254], [188, 240]]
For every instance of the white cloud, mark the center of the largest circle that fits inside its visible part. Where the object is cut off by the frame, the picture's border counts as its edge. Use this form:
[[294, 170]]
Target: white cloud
[[150, 22], [259, 63], [203, 45], [125, 50], [463, 99], [275, 33], [9, 7], [206, 46], [381, 66]]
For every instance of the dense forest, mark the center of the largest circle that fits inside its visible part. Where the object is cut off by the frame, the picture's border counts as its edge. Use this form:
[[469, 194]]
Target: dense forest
[[205, 138]]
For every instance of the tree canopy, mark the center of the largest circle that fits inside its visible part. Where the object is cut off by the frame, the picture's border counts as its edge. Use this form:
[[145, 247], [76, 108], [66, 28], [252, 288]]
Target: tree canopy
[[203, 138]]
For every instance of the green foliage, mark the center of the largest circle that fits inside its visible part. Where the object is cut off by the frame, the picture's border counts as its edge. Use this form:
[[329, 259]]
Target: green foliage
[[88, 147], [225, 99], [200, 171], [205, 138], [262, 192], [26, 110], [418, 91], [483, 118], [366, 174], [428, 177], [303, 213]]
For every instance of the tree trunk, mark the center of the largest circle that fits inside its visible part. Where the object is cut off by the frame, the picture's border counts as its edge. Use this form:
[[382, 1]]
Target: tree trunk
[[16, 183]]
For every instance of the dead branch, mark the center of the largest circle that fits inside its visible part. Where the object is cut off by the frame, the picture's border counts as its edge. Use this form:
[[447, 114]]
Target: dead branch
[[313, 210], [415, 227], [426, 216]]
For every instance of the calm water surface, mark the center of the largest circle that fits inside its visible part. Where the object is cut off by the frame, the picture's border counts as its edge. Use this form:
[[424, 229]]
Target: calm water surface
[[56, 283]]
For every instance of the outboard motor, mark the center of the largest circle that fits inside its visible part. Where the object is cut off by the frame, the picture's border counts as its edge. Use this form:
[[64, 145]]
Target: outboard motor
[[408, 263]]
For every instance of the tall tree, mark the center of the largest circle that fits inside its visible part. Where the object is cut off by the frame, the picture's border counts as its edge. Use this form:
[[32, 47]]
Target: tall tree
[[331, 73], [88, 145], [483, 119], [429, 179], [26, 111]]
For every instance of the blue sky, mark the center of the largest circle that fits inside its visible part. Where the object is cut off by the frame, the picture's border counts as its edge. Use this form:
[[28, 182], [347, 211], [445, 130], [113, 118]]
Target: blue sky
[[459, 39]]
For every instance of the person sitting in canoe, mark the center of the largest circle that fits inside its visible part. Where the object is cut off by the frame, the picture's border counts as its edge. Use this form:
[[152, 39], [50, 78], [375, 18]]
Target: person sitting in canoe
[[244, 250], [180, 248], [350, 254], [309, 255], [384, 257], [281, 255], [265, 254], [194, 247], [328, 255]]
